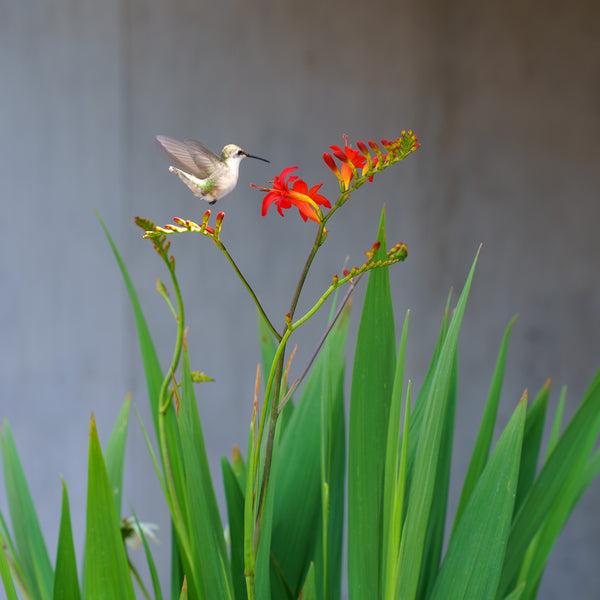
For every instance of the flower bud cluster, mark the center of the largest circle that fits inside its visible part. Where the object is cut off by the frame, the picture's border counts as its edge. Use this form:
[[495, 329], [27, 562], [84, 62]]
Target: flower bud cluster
[[155, 232]]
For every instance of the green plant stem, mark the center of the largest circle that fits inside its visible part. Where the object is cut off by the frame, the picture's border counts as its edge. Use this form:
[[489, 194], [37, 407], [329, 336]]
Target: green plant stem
[[276, 376], [249, 554], [221, 246], [163, 405], [138, 579], [338, 312], [279, 360]]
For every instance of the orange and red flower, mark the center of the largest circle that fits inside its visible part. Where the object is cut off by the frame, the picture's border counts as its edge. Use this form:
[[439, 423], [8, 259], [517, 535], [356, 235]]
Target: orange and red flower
[[306, 201], [350, 158]]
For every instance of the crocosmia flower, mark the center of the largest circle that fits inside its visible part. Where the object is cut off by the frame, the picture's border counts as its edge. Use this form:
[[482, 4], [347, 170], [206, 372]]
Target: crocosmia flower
[[349, 157], [306, 201]]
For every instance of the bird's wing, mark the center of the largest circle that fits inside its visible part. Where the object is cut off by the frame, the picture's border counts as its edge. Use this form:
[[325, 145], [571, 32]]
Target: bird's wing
[[205, 159], [180, 154]]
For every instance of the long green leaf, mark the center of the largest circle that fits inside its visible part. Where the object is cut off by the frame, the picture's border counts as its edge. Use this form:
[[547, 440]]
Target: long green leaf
[[372, 383], [434, 537], [418, 412], [66, 583], [209, 552], [328, 554], [392, 495], [556, 424], [532, 440], [486, 429], [309, 590], [105, 569], [297, 517], [517, 593], [33, 559], [427, 455], [573, 447], [473, 562], [115, 452], [152, 367], [154, 380], [5, 572], [562, 508], [235, 513], [11, 554], [149, 559]]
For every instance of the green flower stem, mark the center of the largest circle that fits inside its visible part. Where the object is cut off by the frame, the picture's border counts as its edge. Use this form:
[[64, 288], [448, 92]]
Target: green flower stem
[[138, 579], [319, 303], [249, 552], [338, 312], [221, 246], [309, 260], [276, 374], [164, 401]]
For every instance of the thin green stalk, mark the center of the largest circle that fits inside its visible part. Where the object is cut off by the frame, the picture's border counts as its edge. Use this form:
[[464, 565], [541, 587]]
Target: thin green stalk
[[314, 355], [221, 246], [249, 552], [311, 255], [163, 405], [138, 579], [270, 441], [278, 360]]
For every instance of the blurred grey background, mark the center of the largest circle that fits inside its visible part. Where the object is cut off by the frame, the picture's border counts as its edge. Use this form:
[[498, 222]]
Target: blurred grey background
[[505, 99]]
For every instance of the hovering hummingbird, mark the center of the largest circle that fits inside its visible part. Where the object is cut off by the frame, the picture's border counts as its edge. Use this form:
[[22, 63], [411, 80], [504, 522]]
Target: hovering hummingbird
[[207, 174]]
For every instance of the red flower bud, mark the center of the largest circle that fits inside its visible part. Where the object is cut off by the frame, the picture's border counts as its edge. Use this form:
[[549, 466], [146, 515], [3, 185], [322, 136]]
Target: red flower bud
[[330, 162], [363, 148]]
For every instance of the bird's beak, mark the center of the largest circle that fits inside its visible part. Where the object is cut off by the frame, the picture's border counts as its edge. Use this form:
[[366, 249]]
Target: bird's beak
[[257, 157]]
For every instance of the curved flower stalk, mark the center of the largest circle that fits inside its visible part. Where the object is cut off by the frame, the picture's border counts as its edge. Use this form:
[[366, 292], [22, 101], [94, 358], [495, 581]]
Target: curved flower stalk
[[359, 166], [184, 225], [352, 167]]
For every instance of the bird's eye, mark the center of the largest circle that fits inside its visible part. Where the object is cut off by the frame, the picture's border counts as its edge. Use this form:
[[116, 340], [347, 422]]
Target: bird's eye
[[241, 153]]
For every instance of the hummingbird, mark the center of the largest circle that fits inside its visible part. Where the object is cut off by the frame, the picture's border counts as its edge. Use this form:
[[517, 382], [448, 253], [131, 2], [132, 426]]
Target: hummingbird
[[207, 174]]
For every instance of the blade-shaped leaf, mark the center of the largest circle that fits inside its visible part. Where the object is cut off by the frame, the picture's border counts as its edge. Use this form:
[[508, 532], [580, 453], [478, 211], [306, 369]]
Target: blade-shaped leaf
[[105, 569], [5, 573], [33, 558], [427, 455], [235, 513], [209, 552], [372, 383], [517, 593], [152, 369], [154, 382], [486, 429], [309, 590], [149, 560], [115, 452], [434, 538], [66, 583], [472, 565], [532, 440], [395, 471], [573, 447], [317, 420]]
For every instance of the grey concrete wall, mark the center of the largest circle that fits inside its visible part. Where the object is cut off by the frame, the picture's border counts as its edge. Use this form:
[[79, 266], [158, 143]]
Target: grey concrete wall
[[505, 98]]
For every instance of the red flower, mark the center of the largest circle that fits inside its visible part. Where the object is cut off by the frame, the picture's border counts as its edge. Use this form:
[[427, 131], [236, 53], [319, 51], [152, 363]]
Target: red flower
[[349, 157], [305, 200]]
